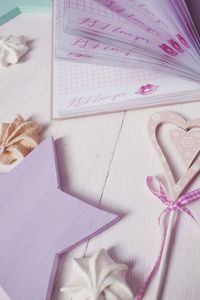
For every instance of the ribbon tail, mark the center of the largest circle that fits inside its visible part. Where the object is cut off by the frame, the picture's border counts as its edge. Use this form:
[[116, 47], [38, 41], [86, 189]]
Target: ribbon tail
[[146, 283], [188, 212], [165, 211], [152, 273]]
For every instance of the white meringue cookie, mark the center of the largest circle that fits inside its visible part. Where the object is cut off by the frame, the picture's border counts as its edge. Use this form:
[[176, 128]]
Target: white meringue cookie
[[12, 48], [98, 278]]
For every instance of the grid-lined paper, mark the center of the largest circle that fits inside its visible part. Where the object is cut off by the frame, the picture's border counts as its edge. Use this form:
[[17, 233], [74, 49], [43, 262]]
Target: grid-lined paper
[[77, 77], [94, 8]]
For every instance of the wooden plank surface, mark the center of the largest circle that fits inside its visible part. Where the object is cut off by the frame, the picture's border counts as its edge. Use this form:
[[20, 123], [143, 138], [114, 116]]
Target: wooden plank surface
[[104, 159], [136, 239]]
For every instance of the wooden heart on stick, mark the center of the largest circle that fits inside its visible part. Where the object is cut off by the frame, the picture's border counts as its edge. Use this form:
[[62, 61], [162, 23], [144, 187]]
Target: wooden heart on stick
[[184, 138], [187, 144]]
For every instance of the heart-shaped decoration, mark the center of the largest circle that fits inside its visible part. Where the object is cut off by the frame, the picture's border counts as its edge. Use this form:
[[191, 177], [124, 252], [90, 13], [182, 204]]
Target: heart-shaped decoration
[[155, 122], [187, 144]]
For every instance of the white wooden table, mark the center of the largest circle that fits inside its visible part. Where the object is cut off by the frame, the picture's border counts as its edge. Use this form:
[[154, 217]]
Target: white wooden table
[[104, 160]]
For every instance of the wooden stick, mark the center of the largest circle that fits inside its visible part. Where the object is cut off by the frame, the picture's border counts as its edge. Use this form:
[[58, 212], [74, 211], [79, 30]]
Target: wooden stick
[[163, 263], [162, 270]]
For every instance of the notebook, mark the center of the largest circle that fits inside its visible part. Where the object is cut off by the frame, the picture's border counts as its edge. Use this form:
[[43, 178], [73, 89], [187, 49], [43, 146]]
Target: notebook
[[95, 70]]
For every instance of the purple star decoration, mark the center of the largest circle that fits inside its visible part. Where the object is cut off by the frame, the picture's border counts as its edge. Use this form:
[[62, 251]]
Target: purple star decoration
[[38, 222]]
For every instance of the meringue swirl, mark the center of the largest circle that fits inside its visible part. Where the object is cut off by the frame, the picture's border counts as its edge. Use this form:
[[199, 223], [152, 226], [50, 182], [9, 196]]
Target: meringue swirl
[[98, 278], [12, 48]]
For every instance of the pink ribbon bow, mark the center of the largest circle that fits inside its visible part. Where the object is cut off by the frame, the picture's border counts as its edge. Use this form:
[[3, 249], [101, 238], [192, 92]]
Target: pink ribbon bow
[[158, 189]]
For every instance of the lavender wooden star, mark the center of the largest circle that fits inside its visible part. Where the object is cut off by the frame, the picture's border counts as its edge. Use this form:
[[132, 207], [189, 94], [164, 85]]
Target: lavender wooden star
[[38, 222]]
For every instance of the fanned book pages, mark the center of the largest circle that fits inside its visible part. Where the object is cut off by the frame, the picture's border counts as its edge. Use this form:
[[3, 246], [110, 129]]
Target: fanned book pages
[[124, 54]]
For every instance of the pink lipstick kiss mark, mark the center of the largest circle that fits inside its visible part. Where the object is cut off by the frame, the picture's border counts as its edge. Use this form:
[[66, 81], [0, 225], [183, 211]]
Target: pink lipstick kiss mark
[[147, 89]]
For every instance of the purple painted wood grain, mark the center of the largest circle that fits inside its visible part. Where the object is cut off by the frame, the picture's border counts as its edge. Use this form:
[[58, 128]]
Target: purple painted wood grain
[[38, 222]]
